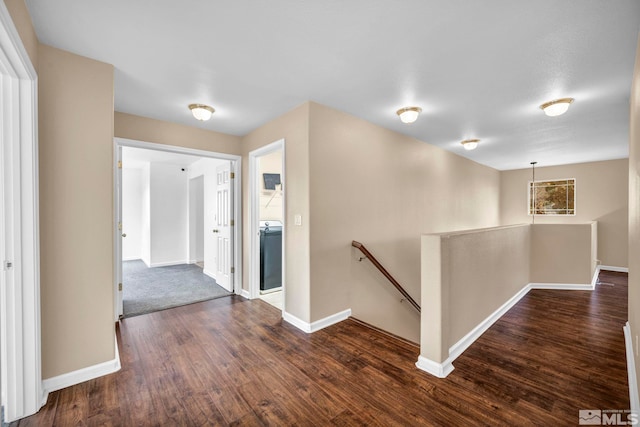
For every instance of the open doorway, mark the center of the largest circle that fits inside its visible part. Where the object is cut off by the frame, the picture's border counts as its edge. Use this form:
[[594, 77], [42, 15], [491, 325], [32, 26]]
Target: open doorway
[[267, 216], [196, 221], [171, 219]]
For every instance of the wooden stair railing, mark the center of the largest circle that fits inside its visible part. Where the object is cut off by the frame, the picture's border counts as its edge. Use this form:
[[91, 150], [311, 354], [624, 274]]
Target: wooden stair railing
[[386, 274]]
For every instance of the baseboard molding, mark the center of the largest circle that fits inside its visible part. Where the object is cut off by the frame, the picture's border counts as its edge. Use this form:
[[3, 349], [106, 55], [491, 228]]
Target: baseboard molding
[[245, 293], [440, 370], [168, 264], [209, 273], [81, 375], [318, 324], [634, 398], [616, 269], [562, 286], [458, 348], [295, 321], [132, 259]]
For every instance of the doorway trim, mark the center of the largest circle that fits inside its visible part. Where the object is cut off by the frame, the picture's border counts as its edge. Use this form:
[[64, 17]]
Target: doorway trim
[[254, 218], [236, 168], [19, 157]]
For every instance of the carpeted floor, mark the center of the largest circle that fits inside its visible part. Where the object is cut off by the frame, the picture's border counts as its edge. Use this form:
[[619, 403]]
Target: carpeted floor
[[146, 290]]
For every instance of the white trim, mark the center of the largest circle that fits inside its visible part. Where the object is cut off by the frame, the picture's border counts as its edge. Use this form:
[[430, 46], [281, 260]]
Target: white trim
[[612, 268], [245, 293], [81, 375], [169, 263], [118, 303], [440, 370], [254, 229], [236, 167], [132, 259], [562, 286], [209, 273], [631, 370], [459, 347], [330, 320], [318, 324], [298, 323], [22, 355], [175, 149]]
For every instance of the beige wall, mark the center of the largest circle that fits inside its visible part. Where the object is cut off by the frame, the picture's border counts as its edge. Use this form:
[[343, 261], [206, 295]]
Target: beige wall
[[144, 129], [601, 195], [383, 189], [563, 253], [294, 128], [467, 276], [76, 211], [22, 20], [634, 207]]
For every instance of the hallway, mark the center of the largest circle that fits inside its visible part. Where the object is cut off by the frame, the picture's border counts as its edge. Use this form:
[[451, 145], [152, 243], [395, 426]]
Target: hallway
[[234, 361]]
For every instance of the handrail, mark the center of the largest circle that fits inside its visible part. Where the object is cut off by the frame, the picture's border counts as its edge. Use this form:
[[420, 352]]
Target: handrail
[[386, 274]]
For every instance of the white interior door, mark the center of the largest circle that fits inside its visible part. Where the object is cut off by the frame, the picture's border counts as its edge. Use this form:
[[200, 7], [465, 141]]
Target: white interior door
[[20, 376], [118, 233], [223, 226]]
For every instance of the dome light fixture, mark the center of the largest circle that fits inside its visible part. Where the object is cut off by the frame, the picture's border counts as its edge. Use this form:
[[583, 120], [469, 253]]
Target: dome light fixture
[[470, 144], [556, 107], [409, 114], [201, 112]]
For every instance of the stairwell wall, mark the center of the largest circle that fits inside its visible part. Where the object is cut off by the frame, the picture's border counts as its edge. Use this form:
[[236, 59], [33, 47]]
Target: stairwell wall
[[384, 189]]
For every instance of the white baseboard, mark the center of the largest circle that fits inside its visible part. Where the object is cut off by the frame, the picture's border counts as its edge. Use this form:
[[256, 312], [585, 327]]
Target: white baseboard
[[458, 348], [245, 293], [634, 398], [318, 324], [209, 273], [81, 375], [611, 268], [562, 286], [298, 323], [136, 258], [168, 264], [440, 370]]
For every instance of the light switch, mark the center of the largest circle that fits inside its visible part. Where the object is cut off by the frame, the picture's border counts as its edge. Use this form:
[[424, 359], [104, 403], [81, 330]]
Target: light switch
[[297, 219]]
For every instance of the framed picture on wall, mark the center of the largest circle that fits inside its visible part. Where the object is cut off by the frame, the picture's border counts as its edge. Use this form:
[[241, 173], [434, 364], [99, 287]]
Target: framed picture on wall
[[271, 180]]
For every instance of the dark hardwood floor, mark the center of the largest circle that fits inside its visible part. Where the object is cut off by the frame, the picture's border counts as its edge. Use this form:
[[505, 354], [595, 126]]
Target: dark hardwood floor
[[235, 362]]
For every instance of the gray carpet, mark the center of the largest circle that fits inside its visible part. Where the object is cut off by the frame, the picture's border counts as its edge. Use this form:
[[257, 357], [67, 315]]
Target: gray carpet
[[146, 290]]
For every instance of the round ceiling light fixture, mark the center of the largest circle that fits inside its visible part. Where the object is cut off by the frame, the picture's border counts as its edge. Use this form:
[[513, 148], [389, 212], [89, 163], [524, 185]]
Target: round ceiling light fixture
[[409, 114], [470, 144], [556, 107], [201, 112]]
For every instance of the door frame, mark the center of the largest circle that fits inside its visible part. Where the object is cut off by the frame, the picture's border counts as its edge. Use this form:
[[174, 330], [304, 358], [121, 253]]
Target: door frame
[[19, 187], [236, 168], [254, 218]]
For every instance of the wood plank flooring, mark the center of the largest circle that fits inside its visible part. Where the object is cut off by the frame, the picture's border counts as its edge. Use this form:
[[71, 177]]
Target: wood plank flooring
[[235, 362]]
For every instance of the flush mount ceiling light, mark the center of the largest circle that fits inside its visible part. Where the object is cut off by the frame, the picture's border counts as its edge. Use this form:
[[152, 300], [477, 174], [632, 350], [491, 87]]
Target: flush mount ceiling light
[[409, 114], [470, 144], [201, 111], [556, 107]]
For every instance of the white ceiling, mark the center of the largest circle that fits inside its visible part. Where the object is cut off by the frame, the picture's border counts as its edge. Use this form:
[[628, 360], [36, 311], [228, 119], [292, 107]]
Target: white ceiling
[[478, 69]]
